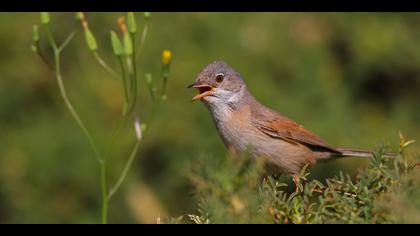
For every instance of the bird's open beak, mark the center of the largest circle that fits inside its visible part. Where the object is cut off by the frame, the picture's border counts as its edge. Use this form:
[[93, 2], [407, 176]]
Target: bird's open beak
[[203, 89]]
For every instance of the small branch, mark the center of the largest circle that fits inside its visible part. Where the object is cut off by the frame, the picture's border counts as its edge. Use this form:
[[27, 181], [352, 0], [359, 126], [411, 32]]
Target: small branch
[[43, 58], [101, 62], [124, 79], [125, 171], [51, 38], [143, 36], [70, 106], [67, 41], [134, 78]]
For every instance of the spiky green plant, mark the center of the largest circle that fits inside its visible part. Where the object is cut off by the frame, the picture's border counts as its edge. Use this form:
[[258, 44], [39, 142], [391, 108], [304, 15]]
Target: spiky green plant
[[232, 191]]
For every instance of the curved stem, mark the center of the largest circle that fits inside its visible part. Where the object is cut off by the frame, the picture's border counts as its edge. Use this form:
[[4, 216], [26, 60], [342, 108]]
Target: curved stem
[[131, 85], [143, 36], [67, 41], [125, 170], [104, 65], [70, 106], [124, 78], [102, 162], [134, 75], [42, 56], [51, 38]]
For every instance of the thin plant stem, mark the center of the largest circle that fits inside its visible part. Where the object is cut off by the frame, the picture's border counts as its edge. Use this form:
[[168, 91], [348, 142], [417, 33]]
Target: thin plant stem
[[131, 85], [43, 58], [101, 62], [51, 38], [115, 134], [143, 36], [102, 162], [124, 173], [70, 106], [163, 92], [57, 65], [124, 79], [104, 192], [134, 78], [67, 40]]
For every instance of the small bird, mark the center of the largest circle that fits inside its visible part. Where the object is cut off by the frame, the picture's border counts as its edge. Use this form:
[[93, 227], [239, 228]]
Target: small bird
[[244, 124]]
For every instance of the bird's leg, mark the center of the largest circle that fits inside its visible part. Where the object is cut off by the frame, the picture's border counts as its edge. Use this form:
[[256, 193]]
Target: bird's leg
[[296, 180]]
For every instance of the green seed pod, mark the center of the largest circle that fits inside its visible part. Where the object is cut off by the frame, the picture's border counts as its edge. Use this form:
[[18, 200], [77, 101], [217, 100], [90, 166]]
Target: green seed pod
[[90, 40], [45, 18], [128, 45], [35, 33], [147, 15], [116, 44], [131, 23], [149, 78], [33, 48], [78, 16], [143, 127]]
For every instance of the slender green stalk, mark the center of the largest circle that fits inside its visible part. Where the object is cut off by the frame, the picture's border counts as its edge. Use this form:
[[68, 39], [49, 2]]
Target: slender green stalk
[[67, 40], [134, 67], [143, 36], [163, 92], [124, 173], [124, 79], [115, 134], [42, 56], [51, 38], [57, 64], [104, 193], [129, 76], [70, 106], [101, 62]]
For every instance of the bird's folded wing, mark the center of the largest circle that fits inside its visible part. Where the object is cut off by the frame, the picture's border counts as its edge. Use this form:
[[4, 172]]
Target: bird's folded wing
[[288, 130]]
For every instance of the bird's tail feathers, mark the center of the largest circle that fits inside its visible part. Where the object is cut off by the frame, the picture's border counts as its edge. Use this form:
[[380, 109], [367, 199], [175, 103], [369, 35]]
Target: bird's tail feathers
[[346, 152]]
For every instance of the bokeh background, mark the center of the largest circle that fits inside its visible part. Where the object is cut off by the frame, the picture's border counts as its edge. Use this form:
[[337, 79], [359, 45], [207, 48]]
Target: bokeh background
[[352, 78]]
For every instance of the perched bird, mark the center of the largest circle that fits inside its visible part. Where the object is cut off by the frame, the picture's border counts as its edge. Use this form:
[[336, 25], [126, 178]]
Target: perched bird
[[247, 125]]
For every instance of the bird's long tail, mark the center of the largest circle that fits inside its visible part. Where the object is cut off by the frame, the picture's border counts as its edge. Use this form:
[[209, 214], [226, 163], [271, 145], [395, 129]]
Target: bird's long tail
[[354, 152], [346, 152]]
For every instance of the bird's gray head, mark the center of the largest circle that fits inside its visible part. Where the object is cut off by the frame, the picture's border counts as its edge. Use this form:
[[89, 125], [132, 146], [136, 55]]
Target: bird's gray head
[[218, 83]]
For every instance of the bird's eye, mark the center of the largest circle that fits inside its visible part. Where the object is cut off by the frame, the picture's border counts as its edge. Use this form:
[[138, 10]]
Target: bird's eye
[[219, 78]]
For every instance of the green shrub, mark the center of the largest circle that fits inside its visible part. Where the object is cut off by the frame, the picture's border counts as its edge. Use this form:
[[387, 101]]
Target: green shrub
[[231, 191]]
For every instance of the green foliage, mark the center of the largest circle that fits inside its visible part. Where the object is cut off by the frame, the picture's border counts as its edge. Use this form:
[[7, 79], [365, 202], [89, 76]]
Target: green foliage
[[352, 78], [230, 191]]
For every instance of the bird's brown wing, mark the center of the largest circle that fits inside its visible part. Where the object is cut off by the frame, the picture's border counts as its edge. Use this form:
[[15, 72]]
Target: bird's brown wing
[[284, 128]]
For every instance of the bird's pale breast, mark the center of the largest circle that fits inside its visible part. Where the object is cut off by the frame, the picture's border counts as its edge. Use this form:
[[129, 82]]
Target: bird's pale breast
[[239, 134]]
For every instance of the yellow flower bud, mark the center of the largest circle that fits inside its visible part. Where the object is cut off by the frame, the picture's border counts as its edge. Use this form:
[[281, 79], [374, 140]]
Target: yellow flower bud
[[166, 57]]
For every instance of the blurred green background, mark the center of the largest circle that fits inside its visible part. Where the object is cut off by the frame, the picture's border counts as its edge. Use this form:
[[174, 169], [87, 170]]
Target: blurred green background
[[352, 78]]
